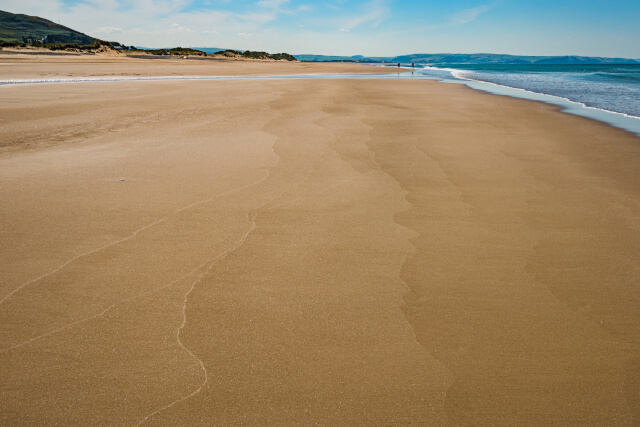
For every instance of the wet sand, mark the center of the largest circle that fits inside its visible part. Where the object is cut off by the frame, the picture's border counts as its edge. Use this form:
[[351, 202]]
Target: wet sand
[[286, 252]]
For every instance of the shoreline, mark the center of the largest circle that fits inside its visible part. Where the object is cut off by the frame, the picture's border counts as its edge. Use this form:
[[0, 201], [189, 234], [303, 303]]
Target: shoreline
[[364, 251], [614, 119], [611, 118]]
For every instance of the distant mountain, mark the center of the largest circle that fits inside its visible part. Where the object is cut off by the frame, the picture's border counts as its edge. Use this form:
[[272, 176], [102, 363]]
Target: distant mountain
[[476, 58], [32, 30]]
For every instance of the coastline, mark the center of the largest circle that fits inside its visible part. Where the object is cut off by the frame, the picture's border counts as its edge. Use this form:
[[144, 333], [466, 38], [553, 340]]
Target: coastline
[[103, 67], [312, 250], [613, 118]]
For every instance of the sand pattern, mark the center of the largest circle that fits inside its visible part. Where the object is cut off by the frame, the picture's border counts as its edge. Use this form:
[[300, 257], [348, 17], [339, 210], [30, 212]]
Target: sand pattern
[[337, 252]]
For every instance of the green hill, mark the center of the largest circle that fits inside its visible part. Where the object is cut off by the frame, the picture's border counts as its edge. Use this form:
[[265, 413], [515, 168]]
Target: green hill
[[35, 30]]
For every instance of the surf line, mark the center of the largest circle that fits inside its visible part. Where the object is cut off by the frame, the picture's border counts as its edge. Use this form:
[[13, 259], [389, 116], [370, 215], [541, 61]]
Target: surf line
[[107, 79]]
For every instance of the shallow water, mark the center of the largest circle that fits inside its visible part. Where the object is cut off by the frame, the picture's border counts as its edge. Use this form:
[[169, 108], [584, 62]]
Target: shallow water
[[607, 93], [614, 88]]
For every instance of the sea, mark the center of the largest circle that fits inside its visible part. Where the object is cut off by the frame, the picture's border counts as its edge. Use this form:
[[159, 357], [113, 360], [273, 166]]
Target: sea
[[609, 93]]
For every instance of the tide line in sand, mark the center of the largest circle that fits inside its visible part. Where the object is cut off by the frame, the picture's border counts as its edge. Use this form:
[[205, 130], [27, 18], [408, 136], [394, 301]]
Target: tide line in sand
[[105, 79], [612, 118]]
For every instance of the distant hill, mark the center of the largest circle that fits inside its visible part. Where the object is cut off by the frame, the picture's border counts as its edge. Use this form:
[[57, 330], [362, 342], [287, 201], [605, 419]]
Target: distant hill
[[476, 58], [33, 30], [209, 50]]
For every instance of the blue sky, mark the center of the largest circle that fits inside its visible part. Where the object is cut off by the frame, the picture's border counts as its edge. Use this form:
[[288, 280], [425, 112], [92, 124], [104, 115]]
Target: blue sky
[[369, 27]]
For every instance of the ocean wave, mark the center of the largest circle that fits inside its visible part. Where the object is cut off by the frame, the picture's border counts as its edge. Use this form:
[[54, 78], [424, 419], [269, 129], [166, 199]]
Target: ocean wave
[[616, 76], [554, 84]]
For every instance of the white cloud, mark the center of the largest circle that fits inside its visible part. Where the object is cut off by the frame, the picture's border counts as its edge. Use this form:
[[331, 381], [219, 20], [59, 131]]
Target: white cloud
[[466, 16], [178, 29], [374, 12], [260, 18], [103, 4], [460, 18], [277, 7], [108, 30]]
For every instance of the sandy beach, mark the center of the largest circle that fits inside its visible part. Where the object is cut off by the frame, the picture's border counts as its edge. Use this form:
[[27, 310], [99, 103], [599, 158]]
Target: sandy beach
[[310, 251]]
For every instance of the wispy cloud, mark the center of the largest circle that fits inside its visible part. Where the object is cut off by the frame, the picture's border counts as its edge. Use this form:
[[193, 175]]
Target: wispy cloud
[[272, 4], [258, 17], [461, 18], [373, 12], [108, 30], [269, 10], [177, 29], [469, 15], [275, 7]]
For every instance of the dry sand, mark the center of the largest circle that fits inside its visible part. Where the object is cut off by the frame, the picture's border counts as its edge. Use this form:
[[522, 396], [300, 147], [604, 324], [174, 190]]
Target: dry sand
[[291, 252], [17, 64]]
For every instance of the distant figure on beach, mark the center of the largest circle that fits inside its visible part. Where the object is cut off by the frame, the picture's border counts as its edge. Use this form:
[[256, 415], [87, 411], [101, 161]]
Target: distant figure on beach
[[413, 65], [398, 65]]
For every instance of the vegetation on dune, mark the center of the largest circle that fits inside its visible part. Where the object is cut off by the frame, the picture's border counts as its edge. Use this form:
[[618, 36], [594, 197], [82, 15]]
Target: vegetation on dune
[[94, 45], [228, 53], [283, 57], [255, 55], [11, 44], [176, 51]]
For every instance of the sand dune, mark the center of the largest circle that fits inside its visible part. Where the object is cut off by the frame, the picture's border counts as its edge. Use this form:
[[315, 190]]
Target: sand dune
[[312, 251]]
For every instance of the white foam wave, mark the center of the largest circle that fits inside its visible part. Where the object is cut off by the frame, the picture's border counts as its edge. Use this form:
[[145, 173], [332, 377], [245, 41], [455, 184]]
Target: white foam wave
[[461, 74]]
